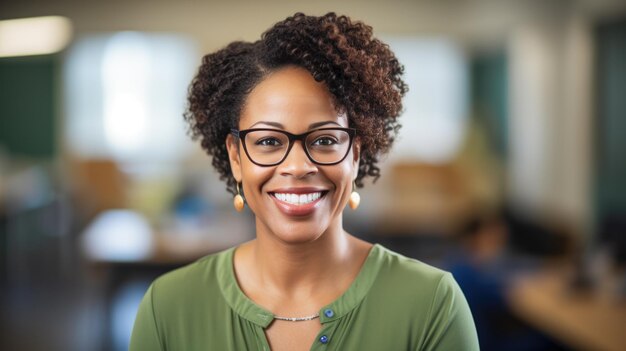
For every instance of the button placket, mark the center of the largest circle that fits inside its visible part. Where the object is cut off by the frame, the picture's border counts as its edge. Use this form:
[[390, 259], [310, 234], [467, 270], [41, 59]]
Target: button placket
[[325, 336]]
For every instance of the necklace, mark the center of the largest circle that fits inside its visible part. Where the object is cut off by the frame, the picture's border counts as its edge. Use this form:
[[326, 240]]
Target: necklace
[[298, 319]]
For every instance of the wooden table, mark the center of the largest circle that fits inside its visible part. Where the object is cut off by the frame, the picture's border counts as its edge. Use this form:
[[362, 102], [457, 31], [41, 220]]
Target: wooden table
[[590, 320]]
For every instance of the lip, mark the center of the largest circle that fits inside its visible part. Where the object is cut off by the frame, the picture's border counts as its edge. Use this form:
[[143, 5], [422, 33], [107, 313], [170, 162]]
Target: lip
[[298, 210]]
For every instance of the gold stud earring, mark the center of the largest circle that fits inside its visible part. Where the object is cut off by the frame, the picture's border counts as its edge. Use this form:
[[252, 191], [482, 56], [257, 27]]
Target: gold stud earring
[[355, 198], [238, 201]]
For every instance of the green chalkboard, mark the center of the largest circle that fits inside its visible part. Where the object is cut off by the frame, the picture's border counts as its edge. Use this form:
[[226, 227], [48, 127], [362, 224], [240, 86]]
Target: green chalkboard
[[610, 140], [28, 105], [489, 95]]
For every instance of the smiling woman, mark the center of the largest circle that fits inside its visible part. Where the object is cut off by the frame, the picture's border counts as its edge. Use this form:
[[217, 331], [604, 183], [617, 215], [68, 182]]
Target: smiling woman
[[294, 122]]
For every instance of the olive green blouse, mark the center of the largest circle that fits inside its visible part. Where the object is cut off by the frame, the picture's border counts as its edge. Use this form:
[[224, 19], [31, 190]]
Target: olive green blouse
[[394, 303]]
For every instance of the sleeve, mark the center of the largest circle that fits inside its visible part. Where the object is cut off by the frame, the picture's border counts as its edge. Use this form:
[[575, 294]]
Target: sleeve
[[451, 324], [145, 336]]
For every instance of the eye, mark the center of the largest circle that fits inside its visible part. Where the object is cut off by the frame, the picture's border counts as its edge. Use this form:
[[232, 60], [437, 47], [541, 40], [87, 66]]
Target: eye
[[268, 141], [324, 141]]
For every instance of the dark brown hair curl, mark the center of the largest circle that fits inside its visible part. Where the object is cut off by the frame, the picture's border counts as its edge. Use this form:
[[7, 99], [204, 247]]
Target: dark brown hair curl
[[360, 71]]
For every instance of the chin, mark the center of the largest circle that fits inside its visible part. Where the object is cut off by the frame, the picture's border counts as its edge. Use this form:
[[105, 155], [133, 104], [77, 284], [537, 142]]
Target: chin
[[297, 233]]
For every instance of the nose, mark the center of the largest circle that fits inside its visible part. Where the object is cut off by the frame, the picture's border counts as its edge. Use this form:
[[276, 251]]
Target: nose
[[297, 163]]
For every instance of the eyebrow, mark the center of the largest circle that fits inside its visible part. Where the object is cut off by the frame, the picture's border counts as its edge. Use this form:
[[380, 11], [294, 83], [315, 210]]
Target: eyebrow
[[280, 126]]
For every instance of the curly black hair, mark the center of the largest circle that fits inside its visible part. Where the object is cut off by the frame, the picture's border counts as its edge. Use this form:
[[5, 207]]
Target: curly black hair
[[361, 72]]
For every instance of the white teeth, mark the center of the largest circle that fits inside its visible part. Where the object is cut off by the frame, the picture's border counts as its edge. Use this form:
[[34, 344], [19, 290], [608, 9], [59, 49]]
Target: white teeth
[[298, 199]]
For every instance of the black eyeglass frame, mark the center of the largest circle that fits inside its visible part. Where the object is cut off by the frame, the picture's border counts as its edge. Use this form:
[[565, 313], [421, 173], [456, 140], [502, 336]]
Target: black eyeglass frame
[[241, 135]]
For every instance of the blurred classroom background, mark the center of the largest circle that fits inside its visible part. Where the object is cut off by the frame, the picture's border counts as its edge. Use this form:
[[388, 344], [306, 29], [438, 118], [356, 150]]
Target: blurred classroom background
[[509, 170]]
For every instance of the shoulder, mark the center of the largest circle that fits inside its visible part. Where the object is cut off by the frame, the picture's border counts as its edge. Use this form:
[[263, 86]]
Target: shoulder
[[428, 298], [192, 281], [409, 279], [182, 306], [413, 275]]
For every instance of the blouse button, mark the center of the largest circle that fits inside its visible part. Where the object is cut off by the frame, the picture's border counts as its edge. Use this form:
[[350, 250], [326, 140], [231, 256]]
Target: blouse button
[[323, 339], [329, 313]]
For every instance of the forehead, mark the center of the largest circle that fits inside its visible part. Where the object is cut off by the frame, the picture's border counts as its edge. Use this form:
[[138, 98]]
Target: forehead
[[292, 98]]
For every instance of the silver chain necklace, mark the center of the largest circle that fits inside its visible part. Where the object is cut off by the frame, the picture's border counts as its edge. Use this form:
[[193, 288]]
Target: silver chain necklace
[[298, 319]]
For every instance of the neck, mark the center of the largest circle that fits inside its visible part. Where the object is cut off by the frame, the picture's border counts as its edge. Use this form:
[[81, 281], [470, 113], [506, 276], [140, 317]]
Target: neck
[[297, 278], [301, 268]]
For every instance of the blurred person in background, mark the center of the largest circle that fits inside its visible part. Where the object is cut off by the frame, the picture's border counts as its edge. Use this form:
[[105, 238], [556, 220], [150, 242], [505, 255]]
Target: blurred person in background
[[294, 122]]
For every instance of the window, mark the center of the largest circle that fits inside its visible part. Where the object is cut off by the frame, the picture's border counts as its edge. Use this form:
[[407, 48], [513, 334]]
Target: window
[[125, 96], [435, 108]]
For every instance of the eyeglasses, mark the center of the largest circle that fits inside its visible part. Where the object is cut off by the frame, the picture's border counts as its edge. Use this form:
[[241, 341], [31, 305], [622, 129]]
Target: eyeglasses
[[270, 147]]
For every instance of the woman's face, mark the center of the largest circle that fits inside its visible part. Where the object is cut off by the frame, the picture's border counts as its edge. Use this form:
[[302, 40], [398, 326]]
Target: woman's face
[[291, 100]]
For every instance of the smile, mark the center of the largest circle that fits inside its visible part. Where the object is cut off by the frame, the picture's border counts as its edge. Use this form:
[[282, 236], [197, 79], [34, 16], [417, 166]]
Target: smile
[[298, 199]]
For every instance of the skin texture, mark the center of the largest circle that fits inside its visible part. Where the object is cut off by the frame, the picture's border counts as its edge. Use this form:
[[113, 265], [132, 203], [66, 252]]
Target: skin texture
[[297, 264]]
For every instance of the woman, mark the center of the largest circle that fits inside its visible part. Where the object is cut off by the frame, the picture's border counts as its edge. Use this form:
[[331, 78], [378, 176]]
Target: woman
[[294, 122]]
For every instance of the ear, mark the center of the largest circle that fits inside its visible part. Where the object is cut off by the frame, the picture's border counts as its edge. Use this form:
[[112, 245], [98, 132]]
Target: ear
[[356, 157], [232, 145]]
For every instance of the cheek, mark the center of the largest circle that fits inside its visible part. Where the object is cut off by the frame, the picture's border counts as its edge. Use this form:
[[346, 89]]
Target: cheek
[[341, 176], [253, 177]]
